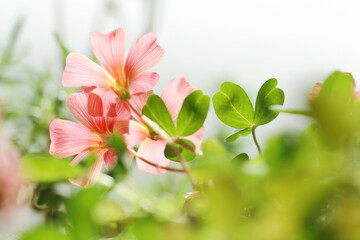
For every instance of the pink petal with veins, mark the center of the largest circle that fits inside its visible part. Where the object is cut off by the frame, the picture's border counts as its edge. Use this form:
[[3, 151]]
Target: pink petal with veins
[[109, 49], [145, 54], [91, 176], [137, 134], [138, 101], [78, 105], [152, 151], [120, 123], [102, 102], [81, 71], [110, 159], [68, 138], [121, 127], [144, 82], [80, 157], [175, 93]]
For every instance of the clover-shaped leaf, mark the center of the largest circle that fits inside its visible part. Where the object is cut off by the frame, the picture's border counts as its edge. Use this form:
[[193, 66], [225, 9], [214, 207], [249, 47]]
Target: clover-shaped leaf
[[193, 113], [233, 107], [238, 133], [268, 95], [156, 110]]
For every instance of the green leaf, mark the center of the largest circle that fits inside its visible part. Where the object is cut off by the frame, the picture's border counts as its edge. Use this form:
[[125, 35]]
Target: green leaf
[[44, 168], [13, 39], [233, 107], [242, 157], [185, 153], [268, 95], [338, 86], [80, 210], [193, 113], [237, 133], [43, 234], [334, 109], [156, 110], [64, 50]]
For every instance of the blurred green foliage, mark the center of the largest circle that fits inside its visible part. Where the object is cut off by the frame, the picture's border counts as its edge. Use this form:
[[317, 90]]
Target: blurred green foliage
[[304, 185], [29, 98]]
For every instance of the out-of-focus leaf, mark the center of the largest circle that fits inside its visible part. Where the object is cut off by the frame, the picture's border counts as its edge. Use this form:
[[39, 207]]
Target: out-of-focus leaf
[[80, 212], [44, 168], [233, 107], [9, 50], [108, 215], [268, 95], [334, 109], [64, 50], [193, 113], [156, 110], [237, 133], [44, 234], [242, 157], [338, 86], [214, 155], [185, 153], [46, 197]]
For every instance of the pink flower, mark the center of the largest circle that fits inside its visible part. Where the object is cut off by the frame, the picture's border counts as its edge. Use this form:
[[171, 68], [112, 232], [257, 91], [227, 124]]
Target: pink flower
[[152, 148], [116, 78], [69, 138]]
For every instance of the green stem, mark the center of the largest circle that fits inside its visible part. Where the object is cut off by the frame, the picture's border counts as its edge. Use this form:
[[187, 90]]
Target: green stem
[[177, 152], [153, 164], [255, 140], [185, 167]]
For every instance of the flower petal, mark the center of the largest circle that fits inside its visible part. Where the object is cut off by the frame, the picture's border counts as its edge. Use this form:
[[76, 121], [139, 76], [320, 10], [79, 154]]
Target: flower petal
[[109, 49], [120, 123], [144, 82], [68, 138], [152, 151], [91, 176], [121, 127], [102, 102], [145, 54], [110, 159], [196, 137], [80, 157], [314, 93], [175, 93], [357, 95], [137, 134], [81, 71], [138, 101], [78, 105]]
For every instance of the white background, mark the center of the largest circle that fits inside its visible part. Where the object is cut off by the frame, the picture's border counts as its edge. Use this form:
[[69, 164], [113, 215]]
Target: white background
[[298, 42]]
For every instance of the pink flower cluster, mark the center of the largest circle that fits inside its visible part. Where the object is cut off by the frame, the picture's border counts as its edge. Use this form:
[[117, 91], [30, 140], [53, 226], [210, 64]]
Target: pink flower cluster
[[110, 101]]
